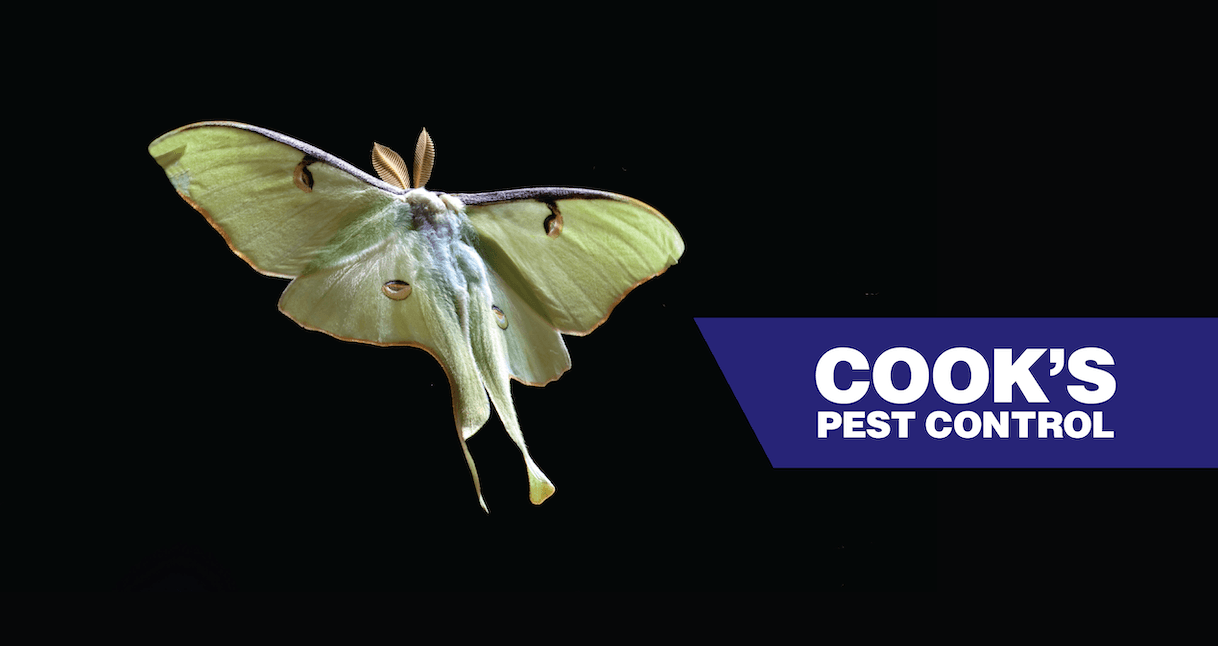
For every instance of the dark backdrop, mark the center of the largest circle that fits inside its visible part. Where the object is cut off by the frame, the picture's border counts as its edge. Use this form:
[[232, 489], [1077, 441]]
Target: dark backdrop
[[857, 163]]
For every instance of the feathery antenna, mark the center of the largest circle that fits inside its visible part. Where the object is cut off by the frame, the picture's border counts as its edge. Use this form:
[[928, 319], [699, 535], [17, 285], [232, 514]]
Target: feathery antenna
[[424, 157], [389, 166]]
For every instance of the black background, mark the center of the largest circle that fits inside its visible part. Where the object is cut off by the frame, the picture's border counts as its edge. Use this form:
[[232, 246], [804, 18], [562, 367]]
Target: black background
[[854, 163]]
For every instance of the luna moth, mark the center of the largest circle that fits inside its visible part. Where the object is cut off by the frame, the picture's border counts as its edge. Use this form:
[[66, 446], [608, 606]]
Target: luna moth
[[487, 283]]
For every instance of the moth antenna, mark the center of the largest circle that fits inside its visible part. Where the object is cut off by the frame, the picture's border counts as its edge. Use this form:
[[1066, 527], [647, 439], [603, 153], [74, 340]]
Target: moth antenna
[[424, 157], [389, 166]]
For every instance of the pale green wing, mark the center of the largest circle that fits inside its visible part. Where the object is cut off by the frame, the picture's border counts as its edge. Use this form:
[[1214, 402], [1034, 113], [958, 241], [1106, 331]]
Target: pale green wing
[[295, 211], [352, 301], [278, 202], [536, 352], [564, 258]]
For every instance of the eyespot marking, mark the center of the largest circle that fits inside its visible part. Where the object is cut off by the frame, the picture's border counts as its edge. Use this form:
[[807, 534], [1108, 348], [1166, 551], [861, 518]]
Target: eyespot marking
[[553, 223], [500, 317], [302, 177], [396, 289]]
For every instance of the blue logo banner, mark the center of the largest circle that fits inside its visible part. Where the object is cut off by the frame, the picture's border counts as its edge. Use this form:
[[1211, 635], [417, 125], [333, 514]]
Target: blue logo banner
[[984, 392]]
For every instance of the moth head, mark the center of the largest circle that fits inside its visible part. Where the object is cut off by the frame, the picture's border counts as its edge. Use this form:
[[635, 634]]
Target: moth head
[[424, 203]]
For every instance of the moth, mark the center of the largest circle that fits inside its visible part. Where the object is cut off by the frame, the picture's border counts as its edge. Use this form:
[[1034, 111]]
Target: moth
[[487, 283]]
